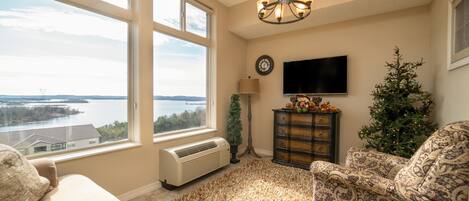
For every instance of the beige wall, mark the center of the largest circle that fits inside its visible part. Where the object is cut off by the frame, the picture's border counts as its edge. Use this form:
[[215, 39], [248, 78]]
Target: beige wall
[[368, 42], [451, 93], [123, 171]]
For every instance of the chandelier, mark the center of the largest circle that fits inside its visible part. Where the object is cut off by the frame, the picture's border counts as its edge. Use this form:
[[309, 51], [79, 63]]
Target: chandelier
[[299, 9]]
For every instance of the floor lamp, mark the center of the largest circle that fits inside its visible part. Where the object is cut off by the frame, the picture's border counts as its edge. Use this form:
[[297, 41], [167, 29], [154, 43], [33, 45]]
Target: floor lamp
[[249, 87]]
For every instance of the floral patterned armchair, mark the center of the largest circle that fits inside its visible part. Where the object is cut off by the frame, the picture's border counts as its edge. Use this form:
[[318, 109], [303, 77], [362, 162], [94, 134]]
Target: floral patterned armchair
[[439, 170]]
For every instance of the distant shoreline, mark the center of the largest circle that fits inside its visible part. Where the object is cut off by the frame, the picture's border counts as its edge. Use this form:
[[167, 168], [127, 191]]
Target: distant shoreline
[[82, 99]]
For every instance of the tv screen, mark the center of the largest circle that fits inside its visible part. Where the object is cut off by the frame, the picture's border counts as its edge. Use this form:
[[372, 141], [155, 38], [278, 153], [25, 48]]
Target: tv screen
[[315, 76]]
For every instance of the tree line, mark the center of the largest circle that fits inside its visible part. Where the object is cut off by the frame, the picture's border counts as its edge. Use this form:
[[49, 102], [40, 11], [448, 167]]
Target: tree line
[[187, 119], [11, 116]]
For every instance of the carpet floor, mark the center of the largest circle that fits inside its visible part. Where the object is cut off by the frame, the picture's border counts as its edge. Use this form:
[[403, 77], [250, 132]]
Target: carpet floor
[[256, 180]]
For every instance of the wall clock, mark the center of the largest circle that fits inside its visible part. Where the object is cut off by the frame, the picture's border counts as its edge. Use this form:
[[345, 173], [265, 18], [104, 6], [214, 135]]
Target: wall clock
[[264, 65]]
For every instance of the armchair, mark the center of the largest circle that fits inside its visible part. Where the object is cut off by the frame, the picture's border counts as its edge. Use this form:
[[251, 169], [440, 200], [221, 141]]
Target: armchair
[[437, 171]]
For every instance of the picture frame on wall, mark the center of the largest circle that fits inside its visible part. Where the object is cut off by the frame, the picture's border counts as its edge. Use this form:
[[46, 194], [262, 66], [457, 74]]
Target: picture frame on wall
[[458, 34]]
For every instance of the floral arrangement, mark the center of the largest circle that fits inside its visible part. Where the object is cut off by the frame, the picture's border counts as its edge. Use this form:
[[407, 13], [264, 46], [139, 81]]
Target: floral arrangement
[[303, 103]]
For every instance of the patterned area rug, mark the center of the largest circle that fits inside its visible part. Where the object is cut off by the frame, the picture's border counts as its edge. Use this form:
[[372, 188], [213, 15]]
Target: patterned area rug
[[256, 180]]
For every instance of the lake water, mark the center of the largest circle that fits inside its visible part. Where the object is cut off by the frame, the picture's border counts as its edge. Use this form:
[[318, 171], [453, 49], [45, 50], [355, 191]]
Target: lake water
[[103, 112]]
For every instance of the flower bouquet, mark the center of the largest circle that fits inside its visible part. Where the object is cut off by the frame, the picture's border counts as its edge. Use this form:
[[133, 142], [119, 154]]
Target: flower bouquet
[[303, 103]]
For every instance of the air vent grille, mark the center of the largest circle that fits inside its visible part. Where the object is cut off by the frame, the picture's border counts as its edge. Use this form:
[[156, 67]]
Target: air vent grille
[[195, 149]]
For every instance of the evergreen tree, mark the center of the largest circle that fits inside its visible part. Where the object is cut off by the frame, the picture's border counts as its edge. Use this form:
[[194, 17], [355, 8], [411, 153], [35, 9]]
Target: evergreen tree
[[400, 112], [234, 126]]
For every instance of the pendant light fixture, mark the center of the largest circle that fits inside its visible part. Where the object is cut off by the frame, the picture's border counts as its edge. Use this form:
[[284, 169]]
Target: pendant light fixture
[[274, 12]]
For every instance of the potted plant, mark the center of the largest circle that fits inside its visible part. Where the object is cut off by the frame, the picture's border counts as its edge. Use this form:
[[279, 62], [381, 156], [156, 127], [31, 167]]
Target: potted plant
[[234, 127]]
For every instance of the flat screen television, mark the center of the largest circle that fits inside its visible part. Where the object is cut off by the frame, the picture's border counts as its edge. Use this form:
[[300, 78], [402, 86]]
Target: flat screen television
[[315, 76]]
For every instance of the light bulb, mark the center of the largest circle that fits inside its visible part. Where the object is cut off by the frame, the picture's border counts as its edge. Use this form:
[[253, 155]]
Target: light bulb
[[260, 5], [300, 9], [279, 12]]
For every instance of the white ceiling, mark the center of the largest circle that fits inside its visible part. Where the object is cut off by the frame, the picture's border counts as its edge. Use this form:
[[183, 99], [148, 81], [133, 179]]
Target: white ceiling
[[231, 2], [244, 22]]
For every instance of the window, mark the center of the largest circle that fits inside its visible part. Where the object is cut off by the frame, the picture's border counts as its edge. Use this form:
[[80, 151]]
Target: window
[[179, 84], [181, 68], [167, 12], [40, 149], [196, 20], [63, 76], [459, 32], [55, 147]]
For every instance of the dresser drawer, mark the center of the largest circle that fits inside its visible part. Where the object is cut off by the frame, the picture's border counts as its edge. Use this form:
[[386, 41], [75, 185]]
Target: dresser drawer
[[280, 155], [281, 131], [322, 134], [282, 143], [322, 120], [305, 146], [301, 119], [282, 118], [301, 132], [306, 159], [300, 158], [309, 147], [321, 148]]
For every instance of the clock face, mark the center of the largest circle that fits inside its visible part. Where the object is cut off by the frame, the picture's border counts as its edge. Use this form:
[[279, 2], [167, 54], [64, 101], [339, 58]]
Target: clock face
[[264, 65]]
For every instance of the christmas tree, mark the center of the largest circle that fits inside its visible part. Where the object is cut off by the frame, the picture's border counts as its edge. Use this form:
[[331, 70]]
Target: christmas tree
[[400, 112], [234, 126]]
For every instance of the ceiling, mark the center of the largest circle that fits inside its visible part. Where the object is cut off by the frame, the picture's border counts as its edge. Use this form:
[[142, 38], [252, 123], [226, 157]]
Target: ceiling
[[231, 2], [244, 22]]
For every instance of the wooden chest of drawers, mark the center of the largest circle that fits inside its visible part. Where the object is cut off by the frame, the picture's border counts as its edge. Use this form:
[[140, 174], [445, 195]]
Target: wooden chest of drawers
[[301, 138]]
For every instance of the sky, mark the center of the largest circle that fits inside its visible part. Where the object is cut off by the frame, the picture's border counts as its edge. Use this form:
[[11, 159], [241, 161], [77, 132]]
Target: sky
[[50, 48]]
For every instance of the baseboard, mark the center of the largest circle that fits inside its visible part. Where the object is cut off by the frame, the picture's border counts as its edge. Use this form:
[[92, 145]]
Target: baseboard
[[264, 152], [139, 191]]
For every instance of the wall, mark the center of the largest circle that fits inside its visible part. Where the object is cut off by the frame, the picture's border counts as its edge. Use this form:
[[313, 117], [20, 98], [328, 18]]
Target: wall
[[368, 42], [452, 99], [126, 170]]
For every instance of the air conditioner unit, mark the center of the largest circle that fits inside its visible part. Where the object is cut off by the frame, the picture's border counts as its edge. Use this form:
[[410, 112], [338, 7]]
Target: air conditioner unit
[[181, 164]]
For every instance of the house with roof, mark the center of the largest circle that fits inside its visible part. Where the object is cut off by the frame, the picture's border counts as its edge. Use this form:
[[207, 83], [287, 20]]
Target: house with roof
[[51, 139]]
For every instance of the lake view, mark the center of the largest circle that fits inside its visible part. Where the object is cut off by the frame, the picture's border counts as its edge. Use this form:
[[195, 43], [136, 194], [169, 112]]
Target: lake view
[[102, 112]]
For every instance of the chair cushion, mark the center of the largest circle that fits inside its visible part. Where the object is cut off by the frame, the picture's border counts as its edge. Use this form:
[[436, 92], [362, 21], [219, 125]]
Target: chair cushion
[[409, 178], [19, 180], [78, 188], [448, 178]]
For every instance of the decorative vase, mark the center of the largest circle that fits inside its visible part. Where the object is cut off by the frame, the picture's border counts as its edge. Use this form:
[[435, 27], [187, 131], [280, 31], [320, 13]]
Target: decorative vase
[[234, 151]]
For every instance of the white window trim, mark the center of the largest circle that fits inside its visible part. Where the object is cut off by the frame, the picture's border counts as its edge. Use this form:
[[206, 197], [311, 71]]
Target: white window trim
[[452, 63], [207, 42]]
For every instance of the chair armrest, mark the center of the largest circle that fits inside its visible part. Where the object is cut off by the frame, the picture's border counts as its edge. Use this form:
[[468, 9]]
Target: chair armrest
[[46, 168], [385, 165], [372, 183]]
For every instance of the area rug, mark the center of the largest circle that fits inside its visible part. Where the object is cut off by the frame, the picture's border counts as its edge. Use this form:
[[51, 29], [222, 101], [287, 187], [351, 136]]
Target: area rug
[[256, 180]]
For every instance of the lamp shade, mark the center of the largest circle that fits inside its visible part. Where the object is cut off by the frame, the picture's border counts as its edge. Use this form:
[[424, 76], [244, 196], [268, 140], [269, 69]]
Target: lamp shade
[[249, 86]]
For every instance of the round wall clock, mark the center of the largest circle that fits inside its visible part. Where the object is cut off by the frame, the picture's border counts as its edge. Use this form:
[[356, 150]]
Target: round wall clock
[[264, 65]]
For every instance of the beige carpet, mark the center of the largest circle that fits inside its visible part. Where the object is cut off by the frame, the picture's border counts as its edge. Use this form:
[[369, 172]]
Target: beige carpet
[[256, 180]]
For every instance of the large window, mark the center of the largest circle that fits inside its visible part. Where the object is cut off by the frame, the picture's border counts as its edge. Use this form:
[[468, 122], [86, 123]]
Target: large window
[[63, 76], [181, 71]]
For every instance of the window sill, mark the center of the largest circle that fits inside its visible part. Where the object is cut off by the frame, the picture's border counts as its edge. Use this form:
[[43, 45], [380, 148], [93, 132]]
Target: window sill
[[73, 155], [460, 63], [176, 136]]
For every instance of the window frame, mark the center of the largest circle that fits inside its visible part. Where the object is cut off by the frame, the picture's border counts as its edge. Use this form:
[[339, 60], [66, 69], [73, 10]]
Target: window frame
[[460, 59], [187, 36], [124, 15]]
